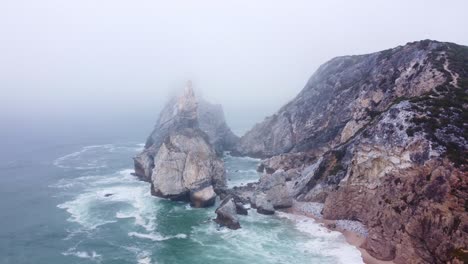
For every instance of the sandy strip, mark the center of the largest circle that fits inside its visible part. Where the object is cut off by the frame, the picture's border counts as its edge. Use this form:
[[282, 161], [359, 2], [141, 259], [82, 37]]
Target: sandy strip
[[352, 238]]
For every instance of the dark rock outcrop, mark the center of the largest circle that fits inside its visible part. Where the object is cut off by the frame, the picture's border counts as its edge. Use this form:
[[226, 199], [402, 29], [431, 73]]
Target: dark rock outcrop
[[380, 138], [227, 214]]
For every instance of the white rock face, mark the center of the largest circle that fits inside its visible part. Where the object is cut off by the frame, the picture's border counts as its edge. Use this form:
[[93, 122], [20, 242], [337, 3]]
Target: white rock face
[[186, 167]]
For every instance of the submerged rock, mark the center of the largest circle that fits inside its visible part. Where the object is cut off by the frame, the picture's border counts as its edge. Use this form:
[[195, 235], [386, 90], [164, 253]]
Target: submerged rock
[[227, 214]]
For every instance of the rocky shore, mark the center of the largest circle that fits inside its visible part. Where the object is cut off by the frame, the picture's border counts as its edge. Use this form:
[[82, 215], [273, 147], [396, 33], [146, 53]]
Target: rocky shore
[[380, 139], [374, 146]]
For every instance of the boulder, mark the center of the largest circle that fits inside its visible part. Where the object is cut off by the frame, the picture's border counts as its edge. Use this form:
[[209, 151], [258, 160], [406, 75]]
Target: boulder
[[203, 198], [275, 189], [227, 214], [263, 205]]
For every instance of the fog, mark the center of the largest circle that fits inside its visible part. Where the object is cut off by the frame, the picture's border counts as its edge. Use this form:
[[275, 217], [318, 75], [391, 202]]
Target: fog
[[95, 64]]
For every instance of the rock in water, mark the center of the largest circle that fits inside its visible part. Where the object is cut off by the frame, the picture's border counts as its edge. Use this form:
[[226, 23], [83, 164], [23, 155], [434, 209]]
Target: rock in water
[[240, 209], [227, 214], [186, 111], [179, 158], [187, 166]]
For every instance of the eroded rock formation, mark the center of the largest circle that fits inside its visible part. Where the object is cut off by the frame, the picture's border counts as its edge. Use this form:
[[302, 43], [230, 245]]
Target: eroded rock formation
[[181, 156], [186, 111]]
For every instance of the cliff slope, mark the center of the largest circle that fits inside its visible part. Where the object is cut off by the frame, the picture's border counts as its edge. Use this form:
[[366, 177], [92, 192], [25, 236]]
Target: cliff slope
[[386, 134]]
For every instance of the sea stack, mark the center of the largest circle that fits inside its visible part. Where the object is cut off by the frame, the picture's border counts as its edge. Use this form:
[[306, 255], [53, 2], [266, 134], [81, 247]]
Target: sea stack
[[181, 158]]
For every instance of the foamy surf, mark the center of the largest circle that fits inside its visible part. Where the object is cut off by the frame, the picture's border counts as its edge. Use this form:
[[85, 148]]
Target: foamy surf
[[331, 243], [103, 194], [82, 254], [109, 210], [155, 237]]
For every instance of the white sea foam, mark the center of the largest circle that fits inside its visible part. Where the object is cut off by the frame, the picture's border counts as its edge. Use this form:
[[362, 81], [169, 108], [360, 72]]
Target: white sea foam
[[102, 192], [120, 197], [156, 237], [142, 256], [82, 254], [80, 210], [227, 155], [251, 171], [65, 162], [330, 243], [144, 260]]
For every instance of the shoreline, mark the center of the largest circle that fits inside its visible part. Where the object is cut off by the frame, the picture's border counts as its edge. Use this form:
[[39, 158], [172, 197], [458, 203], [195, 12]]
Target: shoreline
[[353, 238]]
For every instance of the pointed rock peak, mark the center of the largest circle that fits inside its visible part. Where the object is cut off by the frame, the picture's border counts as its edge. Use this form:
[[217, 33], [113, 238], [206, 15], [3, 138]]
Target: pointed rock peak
[[187, 103]]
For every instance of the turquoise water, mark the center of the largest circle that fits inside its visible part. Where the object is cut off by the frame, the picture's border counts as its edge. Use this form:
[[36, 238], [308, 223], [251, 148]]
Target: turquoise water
[[88, 208]]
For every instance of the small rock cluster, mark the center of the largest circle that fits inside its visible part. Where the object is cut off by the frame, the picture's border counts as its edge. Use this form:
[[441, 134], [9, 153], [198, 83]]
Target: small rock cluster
[[353, 226], [227, 212], [309, 208]]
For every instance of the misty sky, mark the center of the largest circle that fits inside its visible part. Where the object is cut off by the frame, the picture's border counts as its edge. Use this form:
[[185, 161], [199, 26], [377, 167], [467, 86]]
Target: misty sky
[[116, 60]]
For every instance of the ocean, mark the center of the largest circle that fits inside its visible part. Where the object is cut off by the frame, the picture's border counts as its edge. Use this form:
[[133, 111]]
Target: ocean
[[79, 203]]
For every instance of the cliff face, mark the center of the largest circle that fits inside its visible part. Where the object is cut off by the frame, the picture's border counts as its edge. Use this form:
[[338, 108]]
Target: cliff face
[[180, 158], [388, 134], [341, 98]]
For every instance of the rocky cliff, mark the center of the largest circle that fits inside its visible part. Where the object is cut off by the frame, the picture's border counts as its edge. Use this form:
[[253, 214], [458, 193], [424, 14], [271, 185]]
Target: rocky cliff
[[380, 138], [342, 97], [181, 156]]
